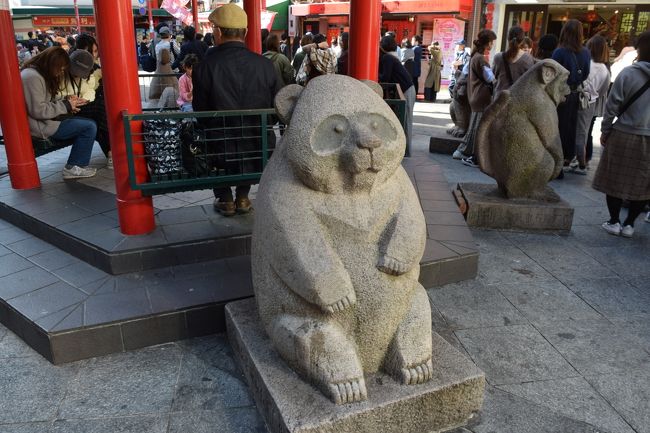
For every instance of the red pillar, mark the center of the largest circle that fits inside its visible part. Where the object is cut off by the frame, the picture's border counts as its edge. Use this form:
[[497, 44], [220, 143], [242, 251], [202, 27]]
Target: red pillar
[[23, 170], [122, 92], [152, 33], [365, 26], [253, 9], [195, 15], [76, 14]]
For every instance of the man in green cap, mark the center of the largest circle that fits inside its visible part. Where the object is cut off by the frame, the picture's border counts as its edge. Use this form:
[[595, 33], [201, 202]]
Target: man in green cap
[[231, 77]]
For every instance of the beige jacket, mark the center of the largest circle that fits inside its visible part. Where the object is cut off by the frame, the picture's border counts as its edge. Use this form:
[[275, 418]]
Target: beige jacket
[[41, 107]]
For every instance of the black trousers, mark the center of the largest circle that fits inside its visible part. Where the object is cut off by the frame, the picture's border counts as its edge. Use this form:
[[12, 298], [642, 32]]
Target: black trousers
[[614, 205], [567, 113], [589, 151]]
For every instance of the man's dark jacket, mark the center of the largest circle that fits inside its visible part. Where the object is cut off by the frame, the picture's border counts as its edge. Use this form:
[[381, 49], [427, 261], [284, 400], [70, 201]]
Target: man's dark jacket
[[231, 77]]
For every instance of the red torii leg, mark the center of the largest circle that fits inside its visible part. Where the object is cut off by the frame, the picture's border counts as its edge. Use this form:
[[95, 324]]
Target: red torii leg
[[253, 9], [365, 26], [195, 15], [116, 36], [23, 170]]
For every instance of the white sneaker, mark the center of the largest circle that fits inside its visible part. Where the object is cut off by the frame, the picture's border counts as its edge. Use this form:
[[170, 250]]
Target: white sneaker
[[627, 231], [647, 218], [458, 154], [612, 229], [574, 163], [578, 170], [76, 172]]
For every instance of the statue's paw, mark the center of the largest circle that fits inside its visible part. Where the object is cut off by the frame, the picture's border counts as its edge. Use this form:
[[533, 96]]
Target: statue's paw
[[416, 374], [391, 266], [343, 304], [351, 391]]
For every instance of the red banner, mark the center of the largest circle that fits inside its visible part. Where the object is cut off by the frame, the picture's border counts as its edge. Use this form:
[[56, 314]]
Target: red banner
[[55, 21], [387, 6]]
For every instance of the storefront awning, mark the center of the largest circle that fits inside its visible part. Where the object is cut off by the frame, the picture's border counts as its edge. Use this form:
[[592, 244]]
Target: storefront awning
[[387, 7]]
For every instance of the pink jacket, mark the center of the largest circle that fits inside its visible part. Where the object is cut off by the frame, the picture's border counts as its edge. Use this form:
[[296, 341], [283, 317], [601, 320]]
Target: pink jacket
[[185, 88]]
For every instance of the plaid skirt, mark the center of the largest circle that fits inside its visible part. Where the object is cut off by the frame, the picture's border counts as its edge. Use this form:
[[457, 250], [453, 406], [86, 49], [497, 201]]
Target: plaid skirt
[[624, 168]]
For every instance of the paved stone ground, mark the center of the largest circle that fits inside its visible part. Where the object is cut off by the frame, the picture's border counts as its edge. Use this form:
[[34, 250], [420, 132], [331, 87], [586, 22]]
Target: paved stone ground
[[560, 325]]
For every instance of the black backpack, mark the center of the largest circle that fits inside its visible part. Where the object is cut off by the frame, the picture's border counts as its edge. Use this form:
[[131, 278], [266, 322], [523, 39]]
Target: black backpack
[[409, 65]]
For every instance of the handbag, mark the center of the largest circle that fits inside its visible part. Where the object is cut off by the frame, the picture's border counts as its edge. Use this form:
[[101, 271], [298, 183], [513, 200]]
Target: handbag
[[197, 160], [148, 62], [162, 145]]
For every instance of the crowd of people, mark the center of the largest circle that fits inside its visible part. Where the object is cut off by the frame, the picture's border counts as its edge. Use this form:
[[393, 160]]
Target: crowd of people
[[62, 83]]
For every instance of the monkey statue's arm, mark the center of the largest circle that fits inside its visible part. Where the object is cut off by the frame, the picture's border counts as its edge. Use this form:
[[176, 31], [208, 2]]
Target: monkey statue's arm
[[404, 237], [306, 262], [494, 113], [546, 125]]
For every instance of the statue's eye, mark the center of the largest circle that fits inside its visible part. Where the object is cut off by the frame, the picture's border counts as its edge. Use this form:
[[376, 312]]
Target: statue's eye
[[330, 134], [381, 126], [374, 125]]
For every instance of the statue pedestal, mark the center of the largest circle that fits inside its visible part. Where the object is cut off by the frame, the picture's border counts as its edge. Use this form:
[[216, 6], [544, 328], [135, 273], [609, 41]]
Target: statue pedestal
[[487, 208], [290, 405]]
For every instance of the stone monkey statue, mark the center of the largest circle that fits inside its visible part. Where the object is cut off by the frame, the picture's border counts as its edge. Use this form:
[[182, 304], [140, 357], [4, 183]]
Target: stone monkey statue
[[337, 242], [518, 141], [459, 108]]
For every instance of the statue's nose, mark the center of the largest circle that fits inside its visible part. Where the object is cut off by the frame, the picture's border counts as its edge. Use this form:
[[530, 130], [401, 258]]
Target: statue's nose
[[366, 139]]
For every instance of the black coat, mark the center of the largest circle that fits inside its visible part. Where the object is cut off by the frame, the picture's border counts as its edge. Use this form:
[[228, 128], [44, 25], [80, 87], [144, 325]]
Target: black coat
[[189, 47], [231, 77]]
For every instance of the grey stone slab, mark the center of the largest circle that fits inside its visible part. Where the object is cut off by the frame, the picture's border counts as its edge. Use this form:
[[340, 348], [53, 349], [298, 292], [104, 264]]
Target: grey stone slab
[[25, 281], [449, 233], [64, 215], [514, 354], [183, 293], [112, 307], [136, 424], [510, 265], [32, 427], [90, 225], [461, 247], [547, 302], [3, 331], [203, 385], [13, 234], [203, 269], [12, 346], [244, 420], [213, 350], [54, 259], [585, 217], [630, 259], [30, 246], [182, 215], [11, 263], [189, 231], [104, 239], [597, 347], [629, 394], [444, 218], [86, 343], [435, 251], [612, 297], [289, 404], [35, 388], [157, 237], [79, 274], [506, 413], [573, 398], [132, 383], [47, 300], [638, 326], [4, 251], [474, 306], [74, 320], [48, 322]]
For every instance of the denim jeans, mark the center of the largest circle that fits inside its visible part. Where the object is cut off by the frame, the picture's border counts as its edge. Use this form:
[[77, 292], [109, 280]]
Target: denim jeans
[[82, 133]]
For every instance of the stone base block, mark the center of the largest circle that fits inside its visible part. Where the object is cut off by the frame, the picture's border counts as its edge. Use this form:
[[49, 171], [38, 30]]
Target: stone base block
[[446, 144], [290, 405], [487, 208]]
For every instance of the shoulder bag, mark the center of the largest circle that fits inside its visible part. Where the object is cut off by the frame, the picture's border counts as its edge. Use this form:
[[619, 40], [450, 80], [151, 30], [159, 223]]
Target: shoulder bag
[[583, 95]]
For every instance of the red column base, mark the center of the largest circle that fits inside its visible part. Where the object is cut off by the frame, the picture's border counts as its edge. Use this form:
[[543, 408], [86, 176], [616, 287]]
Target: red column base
[[24, 175], [135, 216]]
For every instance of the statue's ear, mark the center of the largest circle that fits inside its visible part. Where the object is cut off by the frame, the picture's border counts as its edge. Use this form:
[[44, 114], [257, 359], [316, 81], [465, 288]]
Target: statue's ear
[[549, 73], [285, 101], [375, 86]]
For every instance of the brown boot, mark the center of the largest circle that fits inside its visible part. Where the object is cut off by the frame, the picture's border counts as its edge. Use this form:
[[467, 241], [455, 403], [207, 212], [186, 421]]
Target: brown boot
[[243, 205], [225, 208]]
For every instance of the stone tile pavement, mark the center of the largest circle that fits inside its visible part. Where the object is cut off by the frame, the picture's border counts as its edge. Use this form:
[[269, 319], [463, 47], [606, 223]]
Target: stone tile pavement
[[560, 325]]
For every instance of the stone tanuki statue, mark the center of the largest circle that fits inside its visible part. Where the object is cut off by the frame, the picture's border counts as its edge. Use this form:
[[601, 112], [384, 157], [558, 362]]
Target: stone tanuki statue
[[518, 142], [459, 109], [338, 238]]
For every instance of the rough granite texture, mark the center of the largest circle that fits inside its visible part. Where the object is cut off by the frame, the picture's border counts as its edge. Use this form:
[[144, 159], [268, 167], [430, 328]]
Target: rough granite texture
[[460, 113], [488, 208], [518, 141], [337, 243], [289, 405]]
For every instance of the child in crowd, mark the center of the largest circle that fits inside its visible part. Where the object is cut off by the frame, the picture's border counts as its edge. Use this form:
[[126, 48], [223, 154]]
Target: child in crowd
[[185, 83]]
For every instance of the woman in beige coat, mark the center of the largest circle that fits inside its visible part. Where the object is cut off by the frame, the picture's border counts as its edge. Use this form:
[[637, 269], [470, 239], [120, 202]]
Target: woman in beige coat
[[432, 82]]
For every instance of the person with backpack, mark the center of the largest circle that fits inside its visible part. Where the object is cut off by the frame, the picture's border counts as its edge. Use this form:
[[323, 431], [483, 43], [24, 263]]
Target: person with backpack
[[407, 56], [624, 169], [432, 82], [511, 64]]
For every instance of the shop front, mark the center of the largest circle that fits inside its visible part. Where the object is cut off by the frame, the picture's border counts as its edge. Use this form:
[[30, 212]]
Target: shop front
[[617, 21]]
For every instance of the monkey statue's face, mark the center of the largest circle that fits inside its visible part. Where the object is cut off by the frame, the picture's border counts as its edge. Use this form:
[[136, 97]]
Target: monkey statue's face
[[555, 77], [343, 136]]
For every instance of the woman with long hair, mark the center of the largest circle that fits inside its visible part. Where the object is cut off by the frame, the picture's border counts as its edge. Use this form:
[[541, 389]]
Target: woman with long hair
[[511, 64], [281, 63], [479, 92], [596, 85], [577, 60], [42, 77], [624, 169]]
